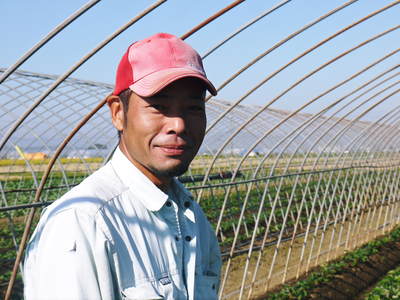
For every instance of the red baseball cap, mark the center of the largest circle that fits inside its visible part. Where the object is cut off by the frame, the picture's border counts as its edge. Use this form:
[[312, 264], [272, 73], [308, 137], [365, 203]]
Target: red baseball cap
[[150, 65]]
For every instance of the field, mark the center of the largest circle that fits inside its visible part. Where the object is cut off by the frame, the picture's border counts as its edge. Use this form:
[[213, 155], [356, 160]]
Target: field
[[272, 228], [352, 276]]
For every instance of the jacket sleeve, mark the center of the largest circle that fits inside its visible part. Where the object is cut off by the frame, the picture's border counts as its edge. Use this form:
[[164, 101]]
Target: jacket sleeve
[[215, 255], [68, 258]]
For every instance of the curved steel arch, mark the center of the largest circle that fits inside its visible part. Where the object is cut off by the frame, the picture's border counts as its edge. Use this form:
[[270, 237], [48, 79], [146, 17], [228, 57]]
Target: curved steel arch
[[278, 71], [312, 119], [247, 195], [267, 177]]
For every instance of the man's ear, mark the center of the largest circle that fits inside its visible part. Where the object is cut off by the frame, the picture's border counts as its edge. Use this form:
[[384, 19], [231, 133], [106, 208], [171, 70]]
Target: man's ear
[[117, 112]]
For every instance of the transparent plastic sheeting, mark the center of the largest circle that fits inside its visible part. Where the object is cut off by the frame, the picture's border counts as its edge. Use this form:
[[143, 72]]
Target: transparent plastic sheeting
[[300, 162]]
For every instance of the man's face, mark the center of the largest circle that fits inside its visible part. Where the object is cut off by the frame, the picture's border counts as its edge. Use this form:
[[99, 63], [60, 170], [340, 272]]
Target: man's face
[[163, 133]]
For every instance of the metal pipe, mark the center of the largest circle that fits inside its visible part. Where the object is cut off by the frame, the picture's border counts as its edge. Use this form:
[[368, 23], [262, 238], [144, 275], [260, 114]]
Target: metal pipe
[[245, 26], [276, 46], [252, 147], [84, 120], [299, 130], [212, 18], [269, 131], [47, 38], [282, 68], [40, 99], [60, 79]]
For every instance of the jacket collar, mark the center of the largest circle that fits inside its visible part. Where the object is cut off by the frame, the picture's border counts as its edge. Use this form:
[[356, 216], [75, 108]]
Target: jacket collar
[[146, 191]]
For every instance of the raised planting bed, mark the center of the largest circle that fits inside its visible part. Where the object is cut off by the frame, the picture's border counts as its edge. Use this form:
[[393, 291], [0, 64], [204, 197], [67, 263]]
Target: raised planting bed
[[386, 288], [349, 276]]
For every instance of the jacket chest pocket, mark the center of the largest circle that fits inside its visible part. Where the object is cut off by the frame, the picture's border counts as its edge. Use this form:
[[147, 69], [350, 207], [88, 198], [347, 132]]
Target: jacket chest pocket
[[144, 291]]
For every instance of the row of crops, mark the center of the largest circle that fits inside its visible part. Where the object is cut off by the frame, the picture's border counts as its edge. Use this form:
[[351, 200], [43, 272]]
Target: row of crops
[[288, 225], [339, 279], [387, 288]]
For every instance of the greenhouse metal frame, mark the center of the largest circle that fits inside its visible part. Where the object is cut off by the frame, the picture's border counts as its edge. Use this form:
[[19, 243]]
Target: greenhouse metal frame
[[285, 189]]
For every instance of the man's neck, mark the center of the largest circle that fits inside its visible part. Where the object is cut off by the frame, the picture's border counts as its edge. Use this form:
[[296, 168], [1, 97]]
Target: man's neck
[[162, 183]]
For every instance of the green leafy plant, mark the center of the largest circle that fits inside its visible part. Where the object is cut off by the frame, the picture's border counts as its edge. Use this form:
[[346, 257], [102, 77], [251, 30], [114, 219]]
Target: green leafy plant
[[302, 288], [387, 288]]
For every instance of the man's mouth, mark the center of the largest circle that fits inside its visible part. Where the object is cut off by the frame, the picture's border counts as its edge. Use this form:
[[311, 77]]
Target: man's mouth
[[173, 149]]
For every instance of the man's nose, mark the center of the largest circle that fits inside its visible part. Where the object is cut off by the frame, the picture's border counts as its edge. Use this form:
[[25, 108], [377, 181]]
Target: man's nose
[[176, 124]]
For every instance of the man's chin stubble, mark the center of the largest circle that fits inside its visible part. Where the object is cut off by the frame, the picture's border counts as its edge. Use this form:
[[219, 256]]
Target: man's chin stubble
[[172, 172]]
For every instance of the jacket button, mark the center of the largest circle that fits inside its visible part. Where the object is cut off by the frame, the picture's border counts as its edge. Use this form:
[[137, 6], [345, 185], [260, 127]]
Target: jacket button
[[168, 203], [188, 238], [213, 286], [186, 204], [176, 238]]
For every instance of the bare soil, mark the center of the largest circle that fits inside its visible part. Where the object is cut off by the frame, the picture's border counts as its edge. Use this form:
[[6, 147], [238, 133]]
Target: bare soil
[[320, 247], [355, 282]]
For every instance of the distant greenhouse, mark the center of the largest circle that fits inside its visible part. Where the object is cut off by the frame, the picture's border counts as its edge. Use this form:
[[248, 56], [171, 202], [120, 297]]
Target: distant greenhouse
[[50, 123]]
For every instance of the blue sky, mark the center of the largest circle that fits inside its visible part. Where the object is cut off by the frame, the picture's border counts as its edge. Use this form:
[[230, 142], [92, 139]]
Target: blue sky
[[24, 22]]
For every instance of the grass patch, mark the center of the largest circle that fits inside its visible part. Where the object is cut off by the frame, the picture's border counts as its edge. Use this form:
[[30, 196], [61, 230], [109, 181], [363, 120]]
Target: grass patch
[[22, 162]]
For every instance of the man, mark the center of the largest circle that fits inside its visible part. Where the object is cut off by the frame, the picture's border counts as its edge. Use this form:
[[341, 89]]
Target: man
[[131, 230]]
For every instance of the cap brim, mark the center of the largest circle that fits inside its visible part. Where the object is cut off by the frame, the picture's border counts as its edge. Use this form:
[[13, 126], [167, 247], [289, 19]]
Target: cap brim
[[155, 82]]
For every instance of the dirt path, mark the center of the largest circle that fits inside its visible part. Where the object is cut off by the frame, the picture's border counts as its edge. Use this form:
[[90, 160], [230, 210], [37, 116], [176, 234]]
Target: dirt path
[[290, 254], [355, 282]]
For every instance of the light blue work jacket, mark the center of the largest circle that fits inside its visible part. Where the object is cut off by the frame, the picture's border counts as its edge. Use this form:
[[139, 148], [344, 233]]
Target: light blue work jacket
[[117, 236]]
